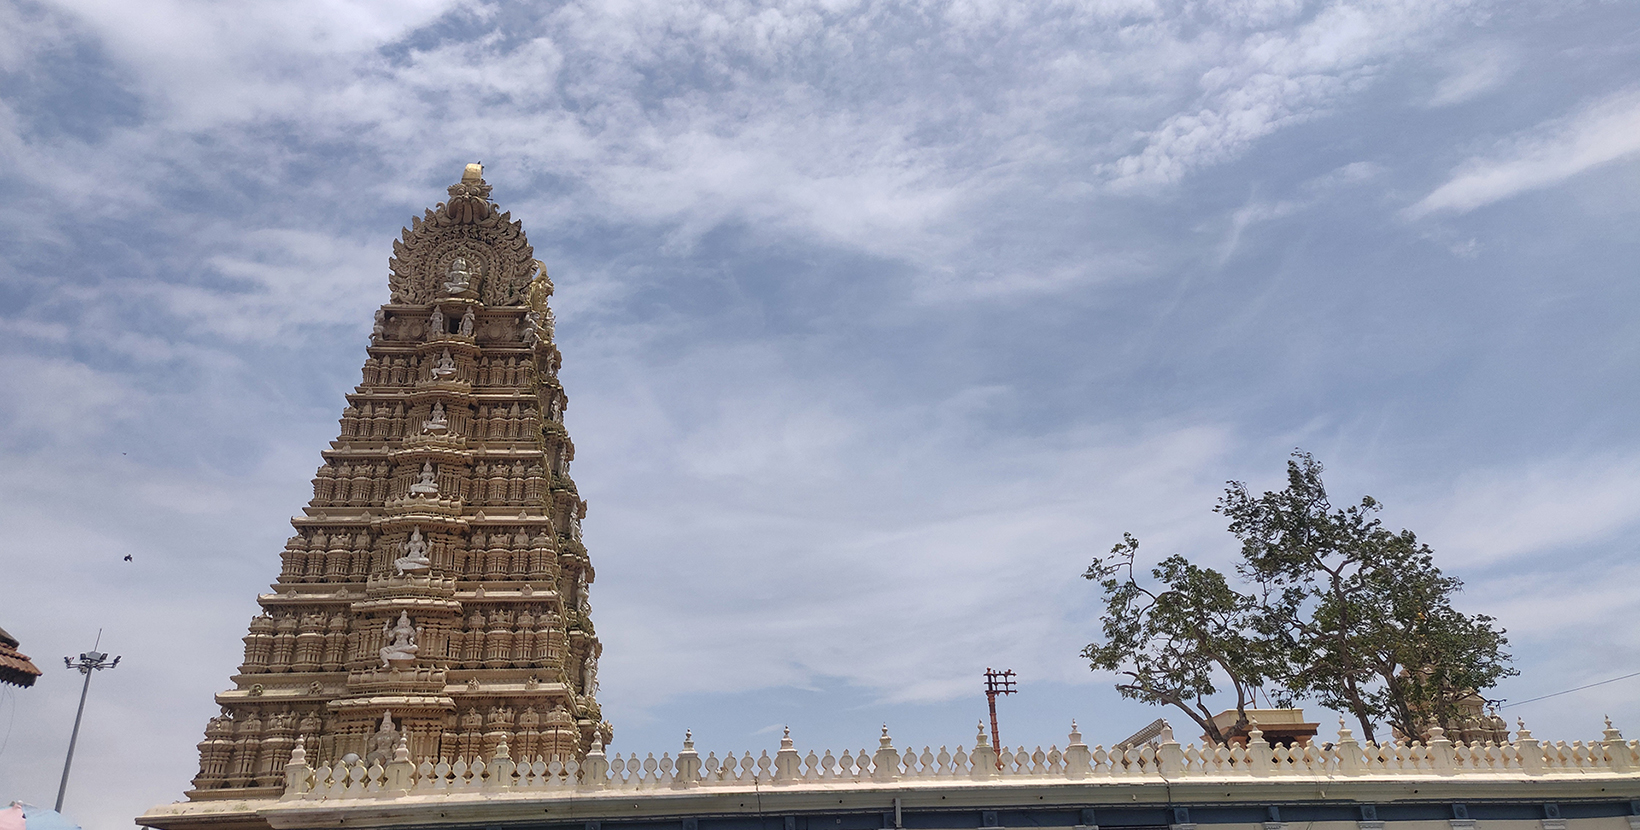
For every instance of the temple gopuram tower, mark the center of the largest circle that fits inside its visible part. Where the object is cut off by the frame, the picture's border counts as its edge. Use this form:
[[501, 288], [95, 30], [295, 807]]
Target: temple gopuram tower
[[435, 591]]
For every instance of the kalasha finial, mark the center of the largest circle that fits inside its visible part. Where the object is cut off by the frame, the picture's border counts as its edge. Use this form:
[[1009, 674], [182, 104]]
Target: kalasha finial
[[1612, 732], [469, 199], [1344, 733]]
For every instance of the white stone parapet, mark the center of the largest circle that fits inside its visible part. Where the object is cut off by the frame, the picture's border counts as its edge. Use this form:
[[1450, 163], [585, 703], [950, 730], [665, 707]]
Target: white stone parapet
[[1165, 761]]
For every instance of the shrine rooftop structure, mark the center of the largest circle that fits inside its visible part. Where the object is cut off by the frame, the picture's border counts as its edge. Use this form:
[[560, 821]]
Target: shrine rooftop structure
[[435, 594]]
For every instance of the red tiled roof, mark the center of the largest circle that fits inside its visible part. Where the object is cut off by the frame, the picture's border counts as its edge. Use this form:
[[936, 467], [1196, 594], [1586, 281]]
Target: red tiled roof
[[15, 667]]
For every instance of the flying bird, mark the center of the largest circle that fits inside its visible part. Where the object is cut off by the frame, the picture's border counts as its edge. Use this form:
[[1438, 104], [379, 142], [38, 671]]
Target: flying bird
[[128, 557]]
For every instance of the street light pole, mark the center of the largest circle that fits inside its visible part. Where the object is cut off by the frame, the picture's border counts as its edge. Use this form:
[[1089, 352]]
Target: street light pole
[[89, 661]]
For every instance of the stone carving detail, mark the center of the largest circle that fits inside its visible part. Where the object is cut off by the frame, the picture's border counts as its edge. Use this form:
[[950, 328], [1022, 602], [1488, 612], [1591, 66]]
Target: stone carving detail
[[492, 247], [401, 645], [437, 422], [458, 280], [445, 368], [383, 742], [415, 554], [426, 482]]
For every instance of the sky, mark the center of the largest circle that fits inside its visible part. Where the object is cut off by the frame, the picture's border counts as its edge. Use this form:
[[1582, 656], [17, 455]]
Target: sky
[[879, 321]]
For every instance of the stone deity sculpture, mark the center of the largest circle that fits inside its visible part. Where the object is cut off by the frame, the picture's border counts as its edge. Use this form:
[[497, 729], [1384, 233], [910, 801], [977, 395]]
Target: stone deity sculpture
[[589, 676], [384, 741], [532, 328], [445, 367], [435, 323], [379, 331], [583, 602], [437, 422], [426, 483], [415, 554], [401, 646], [538, 326], [467, 321], [458, 280]]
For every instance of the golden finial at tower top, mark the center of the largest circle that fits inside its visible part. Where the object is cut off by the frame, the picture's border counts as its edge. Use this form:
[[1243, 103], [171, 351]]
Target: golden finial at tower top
[[473, 174]]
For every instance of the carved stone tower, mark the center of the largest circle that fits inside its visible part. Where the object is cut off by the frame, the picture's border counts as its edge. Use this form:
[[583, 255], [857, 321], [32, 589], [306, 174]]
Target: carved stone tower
[[435, 592]]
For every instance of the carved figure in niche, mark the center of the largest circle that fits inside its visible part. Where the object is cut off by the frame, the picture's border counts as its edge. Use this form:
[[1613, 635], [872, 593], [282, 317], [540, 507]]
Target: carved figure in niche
[[589, 676], [401, 647], [415, 554], [467, 321], [384, 741], [437, 422], [425, 482], [583, 602], [459, 279], [445, 367], [538, 326], [435, 323], [379, 330]]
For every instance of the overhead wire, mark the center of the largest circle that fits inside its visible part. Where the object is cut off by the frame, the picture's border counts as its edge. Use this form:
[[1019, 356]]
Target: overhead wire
[[1569, 691]]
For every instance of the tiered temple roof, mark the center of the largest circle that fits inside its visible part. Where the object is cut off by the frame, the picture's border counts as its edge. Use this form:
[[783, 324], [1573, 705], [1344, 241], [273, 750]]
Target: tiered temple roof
[[15, 667], [435, 592]]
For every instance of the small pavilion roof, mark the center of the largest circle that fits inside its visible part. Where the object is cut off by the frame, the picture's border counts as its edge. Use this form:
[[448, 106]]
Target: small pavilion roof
[[15, 667]]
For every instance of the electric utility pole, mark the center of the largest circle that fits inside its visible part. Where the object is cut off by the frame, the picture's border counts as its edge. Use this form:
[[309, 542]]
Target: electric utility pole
[[89, 661], [997, 683]]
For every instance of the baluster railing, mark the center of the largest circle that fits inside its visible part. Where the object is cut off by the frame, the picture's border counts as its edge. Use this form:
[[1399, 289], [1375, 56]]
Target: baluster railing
[[379, 778]]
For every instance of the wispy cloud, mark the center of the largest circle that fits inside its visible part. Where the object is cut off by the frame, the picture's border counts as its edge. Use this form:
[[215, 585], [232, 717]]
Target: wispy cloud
[[1495, 515], [1600, 133], [1473, 71], [1277, 77]]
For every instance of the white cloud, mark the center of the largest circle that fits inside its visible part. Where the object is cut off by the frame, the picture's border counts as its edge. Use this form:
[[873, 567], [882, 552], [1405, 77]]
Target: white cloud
[[1493, 516], [1600, 133], [1278, 77], [1472, 71]]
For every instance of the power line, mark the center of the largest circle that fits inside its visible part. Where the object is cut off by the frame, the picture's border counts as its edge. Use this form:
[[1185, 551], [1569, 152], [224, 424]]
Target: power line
[[1569, 691]]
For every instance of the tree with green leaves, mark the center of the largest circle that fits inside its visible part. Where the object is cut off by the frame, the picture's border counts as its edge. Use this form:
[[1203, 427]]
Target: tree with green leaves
[[1175, 643], [1365, 614], [1337, 608]]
